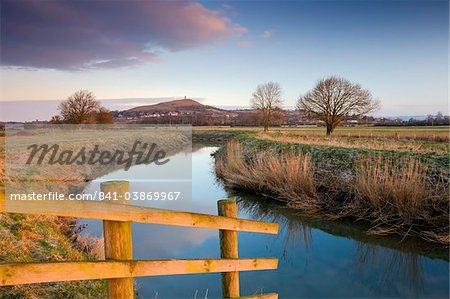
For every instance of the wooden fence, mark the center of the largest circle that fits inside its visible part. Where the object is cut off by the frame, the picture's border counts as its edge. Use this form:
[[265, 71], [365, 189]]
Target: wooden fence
[[119, 268]]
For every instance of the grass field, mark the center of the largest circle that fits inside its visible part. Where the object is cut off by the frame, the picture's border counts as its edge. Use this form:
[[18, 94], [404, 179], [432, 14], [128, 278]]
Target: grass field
[[394, 132], [431, 140]]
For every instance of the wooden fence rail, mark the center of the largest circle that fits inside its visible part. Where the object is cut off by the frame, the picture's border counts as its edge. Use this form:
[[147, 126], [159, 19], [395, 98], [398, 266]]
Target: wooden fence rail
[[127, 213], [25, 273], [119, 268]]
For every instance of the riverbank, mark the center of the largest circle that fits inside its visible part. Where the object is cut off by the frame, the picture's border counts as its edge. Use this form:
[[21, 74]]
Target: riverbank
[[35, 238], [300, 227], [32, 238], [393, 191], [331, 258]]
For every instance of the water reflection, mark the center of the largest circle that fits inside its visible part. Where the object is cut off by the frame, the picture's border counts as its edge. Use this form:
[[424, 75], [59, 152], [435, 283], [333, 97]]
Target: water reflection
[[297, 233], [317, 259], [402, 263], [393, 264]]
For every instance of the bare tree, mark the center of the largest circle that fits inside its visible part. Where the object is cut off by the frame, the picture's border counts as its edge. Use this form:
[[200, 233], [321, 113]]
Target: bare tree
[[78, 107], [334, 98], [104, 116], [56, 119], [266, 98]]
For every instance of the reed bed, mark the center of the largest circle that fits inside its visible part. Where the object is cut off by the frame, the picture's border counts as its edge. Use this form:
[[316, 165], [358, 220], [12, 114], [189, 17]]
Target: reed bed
[[288, 176], [394, 195], [392, 188]]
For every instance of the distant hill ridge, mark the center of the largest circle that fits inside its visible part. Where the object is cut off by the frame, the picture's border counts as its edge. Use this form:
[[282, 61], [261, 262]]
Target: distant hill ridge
[[183, 105]]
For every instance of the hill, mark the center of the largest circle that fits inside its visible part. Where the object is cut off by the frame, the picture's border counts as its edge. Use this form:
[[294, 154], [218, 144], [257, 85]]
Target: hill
[[188, 111], [184, 106]]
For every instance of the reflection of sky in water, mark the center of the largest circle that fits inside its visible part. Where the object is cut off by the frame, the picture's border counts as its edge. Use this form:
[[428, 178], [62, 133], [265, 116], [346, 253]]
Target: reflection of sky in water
[[313, 263], [174, 176], [178, 167]]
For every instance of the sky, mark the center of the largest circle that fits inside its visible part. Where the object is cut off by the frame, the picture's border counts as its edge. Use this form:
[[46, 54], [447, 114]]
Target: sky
[[218, 52]]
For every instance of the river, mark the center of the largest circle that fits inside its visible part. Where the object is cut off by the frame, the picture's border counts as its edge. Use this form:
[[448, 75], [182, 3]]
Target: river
[[317, 259]]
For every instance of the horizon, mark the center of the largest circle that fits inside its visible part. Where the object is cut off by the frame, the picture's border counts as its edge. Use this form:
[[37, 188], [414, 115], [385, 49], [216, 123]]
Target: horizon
[[12, 110], [220, 51]]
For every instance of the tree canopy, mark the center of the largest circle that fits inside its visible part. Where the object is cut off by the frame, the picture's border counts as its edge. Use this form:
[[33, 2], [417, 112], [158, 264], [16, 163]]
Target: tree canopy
[[266, 98], [333, 99]]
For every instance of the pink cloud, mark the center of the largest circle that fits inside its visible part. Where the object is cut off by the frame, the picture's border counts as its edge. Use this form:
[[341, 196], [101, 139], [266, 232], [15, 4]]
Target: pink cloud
[[68, 34], [245, 43]]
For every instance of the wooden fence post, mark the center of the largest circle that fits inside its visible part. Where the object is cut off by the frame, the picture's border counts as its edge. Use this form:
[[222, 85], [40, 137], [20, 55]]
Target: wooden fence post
[[118, 241], [229, 249]]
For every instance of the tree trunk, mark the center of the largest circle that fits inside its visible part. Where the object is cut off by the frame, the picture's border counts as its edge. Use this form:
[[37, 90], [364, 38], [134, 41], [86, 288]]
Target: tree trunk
[[265, 120], [329, 129], [268, 119]]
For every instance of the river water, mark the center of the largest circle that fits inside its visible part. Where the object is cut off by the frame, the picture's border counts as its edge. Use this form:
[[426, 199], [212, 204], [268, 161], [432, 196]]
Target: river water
[[316, 259]]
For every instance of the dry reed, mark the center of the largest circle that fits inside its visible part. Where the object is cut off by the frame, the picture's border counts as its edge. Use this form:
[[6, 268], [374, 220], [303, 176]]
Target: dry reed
[[393, 194], [286, 176], [391, 187]]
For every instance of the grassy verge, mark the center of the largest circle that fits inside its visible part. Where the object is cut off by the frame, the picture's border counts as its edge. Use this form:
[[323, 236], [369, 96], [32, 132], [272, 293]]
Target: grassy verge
[[326, 154], [396, 192], [31, 238], [27, 238]]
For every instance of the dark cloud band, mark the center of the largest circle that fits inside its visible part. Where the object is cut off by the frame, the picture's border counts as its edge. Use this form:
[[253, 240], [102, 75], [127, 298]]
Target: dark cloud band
[[104, 34]]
